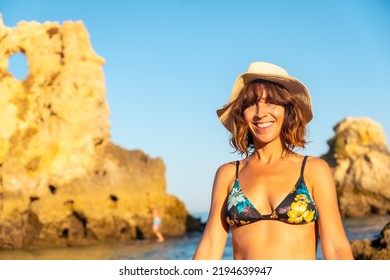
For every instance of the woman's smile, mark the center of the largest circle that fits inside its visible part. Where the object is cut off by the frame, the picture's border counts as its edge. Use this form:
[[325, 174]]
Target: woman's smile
[[264, 125]]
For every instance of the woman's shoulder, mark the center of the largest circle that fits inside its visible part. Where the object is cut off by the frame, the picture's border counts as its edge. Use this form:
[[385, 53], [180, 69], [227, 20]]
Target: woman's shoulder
[[227, 171], [316, 164], [317, 170], [227, 167], [224, 177]]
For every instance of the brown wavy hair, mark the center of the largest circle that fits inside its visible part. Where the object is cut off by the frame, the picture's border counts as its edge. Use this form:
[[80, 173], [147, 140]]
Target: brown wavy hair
[[293, 129]]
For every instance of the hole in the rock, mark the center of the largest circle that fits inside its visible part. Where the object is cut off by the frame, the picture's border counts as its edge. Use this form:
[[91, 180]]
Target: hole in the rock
[[17, 66], [52, 189], [33, 198], [64, 233]]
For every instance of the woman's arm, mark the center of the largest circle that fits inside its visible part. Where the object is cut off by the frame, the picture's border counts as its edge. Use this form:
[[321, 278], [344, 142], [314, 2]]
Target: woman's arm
[[213, 241], [334, 242]]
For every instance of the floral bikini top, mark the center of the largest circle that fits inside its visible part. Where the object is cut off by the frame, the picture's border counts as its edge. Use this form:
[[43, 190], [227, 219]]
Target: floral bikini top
[[297, 207]]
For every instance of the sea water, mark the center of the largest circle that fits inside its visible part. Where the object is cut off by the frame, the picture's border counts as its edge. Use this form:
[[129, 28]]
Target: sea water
[[179, 248]]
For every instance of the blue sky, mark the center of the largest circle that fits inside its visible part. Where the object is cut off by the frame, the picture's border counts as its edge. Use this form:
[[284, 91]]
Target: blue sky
[[171, 64]]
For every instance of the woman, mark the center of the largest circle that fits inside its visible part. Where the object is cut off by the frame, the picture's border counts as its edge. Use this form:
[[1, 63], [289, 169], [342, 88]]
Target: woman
[[156, 222], [276, 202]]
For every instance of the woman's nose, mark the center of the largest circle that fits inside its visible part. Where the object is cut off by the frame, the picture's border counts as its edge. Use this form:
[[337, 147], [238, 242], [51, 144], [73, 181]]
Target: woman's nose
[[261, 110]]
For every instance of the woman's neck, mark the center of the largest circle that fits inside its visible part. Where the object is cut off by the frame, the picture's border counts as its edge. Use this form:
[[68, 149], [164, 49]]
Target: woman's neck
[[269, 153]]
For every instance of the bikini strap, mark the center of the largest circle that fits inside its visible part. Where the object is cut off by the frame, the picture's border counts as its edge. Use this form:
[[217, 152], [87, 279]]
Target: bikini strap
[[303, 165], [237, 167]]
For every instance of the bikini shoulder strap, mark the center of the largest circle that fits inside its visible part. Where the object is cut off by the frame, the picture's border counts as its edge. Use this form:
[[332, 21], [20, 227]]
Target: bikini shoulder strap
[[303, 165], [237, 168]]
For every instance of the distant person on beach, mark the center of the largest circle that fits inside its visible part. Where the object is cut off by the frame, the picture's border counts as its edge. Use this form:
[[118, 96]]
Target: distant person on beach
[[156, 222], [275, 201]]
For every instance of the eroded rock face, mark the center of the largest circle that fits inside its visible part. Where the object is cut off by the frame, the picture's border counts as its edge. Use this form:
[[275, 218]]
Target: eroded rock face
[[360, 160], [62, 181], [377, 249]]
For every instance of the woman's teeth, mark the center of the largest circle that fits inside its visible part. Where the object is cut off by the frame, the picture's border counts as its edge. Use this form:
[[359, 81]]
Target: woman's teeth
[[264, 125]]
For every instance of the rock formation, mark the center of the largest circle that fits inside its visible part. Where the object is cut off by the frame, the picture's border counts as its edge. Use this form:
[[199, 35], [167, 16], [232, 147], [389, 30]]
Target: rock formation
[[62, 181], [377, 249], [360, 160]]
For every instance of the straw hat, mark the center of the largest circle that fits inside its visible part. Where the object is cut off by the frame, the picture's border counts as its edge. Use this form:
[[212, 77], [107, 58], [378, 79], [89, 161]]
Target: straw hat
[[273, 73]]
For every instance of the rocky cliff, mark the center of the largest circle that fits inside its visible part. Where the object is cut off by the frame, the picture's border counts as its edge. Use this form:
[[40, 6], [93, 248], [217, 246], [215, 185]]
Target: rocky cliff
[[62, 181], [360, 159]]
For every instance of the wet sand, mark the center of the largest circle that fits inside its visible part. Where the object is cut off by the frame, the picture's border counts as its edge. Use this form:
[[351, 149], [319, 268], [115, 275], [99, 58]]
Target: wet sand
[[174, 248], [90, 252]]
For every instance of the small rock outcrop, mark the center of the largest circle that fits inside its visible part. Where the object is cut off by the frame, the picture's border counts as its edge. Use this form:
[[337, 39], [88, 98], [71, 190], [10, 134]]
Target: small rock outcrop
[[62, 181], [377, 249], [360, 159]]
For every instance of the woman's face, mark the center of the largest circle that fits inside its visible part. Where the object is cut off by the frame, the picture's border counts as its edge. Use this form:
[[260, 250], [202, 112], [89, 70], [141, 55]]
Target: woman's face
[[265, 120]]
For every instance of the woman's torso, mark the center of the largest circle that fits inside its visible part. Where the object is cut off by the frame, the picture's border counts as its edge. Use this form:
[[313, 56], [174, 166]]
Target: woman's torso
[[269, 190]]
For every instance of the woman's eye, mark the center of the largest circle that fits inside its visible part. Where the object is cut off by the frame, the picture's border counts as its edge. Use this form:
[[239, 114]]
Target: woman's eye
[[270, 102], [249, 104]]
